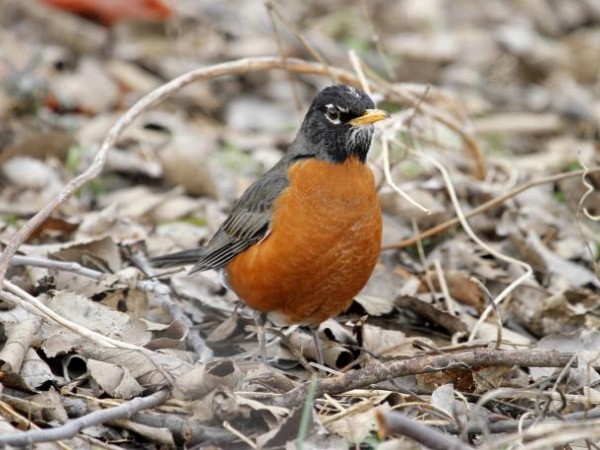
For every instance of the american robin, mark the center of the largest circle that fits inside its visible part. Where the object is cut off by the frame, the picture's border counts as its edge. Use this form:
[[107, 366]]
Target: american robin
[[304, 238]]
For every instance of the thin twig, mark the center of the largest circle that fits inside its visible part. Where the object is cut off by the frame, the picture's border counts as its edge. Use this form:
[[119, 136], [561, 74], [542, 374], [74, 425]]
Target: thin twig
[[581, 208], [507, 426], [65, 266], [440, 117], [307, 410], [25, 422], [238, 434], [396, 423], [281, 48], [298, 34], [385, 151], [15, 294], [377, 42], [71, 428], [498, 316], [356, 65], [444, 286], [457, 208], [488, 205]]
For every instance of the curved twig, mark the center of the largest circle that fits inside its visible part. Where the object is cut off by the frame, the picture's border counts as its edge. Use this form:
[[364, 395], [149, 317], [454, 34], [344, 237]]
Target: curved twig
[[397, 92]]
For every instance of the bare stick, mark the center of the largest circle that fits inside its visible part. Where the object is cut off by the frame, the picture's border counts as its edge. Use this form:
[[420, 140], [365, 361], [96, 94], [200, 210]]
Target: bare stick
[[425, 364], [385, 151], [377, 42], [589, 190], [65, 266], [14, 293], [507, 426], [401, 93], [154, 286], [356, 65], [24, 422], [463, 221], [307, 45], [396, 423], [71, 428], [281, 48]]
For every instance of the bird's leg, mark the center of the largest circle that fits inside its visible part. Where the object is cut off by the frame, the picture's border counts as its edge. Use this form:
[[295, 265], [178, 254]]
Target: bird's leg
[[315, 334], [259, 321]]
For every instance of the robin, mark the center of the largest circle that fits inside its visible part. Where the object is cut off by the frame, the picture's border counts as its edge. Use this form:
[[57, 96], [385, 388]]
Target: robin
[[304, 238]]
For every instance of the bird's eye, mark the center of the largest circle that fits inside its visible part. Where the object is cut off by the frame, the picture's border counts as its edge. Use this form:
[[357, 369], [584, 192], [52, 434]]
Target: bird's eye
[[333, 114]]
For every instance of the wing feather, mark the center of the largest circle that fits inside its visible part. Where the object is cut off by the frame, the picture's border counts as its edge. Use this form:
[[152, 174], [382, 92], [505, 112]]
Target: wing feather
[[247, 224]]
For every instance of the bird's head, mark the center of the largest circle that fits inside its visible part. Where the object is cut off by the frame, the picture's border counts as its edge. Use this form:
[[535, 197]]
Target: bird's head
[[339, 124]]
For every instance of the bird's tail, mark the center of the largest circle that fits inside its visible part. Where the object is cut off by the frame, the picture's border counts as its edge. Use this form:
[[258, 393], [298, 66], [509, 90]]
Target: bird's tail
[[181, 258]]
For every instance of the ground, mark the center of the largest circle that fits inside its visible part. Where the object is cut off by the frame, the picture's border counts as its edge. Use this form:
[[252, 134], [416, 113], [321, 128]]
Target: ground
[[479, 326]]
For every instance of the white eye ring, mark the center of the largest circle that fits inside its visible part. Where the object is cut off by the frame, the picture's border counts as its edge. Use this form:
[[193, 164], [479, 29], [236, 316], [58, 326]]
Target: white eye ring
[[333, 114]]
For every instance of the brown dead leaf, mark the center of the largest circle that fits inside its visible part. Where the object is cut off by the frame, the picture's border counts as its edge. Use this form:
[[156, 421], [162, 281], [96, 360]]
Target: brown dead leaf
[[461, 287], [35, 372], [35, 138], [55, 227], [114, 380], [286, 431], [58, 341], [100, 254], [375, 306], [429, 312], [166, 336], [99, 318], [463, 380], [205, 378], [488, 378], [90, 88], [355, 427], [334, 354], [20, 337], [186, 160], [148, 369], [386, 343], [47, 406], [108, 222], [226, 329]]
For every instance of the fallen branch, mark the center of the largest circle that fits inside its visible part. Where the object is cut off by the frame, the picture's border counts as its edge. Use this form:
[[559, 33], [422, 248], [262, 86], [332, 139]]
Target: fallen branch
[[424, 364], [396, 423], [72, 427], [509, 425], [184, 428]]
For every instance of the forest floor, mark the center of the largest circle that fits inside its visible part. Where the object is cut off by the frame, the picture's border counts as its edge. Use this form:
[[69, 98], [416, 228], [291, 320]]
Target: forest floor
[[479, 326]]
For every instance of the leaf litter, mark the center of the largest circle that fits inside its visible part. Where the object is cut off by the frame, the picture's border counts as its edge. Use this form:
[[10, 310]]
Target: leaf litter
[[514, 101]]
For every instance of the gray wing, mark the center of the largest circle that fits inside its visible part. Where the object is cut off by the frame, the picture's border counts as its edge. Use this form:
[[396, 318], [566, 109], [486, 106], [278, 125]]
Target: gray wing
[[248, 223]]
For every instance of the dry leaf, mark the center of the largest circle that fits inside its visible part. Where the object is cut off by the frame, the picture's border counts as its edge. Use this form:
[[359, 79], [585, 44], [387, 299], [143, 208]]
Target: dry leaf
[[114, 380]]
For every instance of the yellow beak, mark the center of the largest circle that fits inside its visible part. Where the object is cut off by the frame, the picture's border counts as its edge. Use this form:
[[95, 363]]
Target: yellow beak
[[370, 116]]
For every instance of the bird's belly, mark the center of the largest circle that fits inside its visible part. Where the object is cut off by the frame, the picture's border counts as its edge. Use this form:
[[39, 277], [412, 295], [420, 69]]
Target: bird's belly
[[323, 245]]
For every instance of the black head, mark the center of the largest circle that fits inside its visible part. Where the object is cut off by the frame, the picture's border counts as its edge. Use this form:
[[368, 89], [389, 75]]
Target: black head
[[338, 125]]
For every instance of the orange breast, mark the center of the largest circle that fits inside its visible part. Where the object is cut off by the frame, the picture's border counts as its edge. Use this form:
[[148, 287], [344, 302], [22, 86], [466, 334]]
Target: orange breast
[[324, 242]]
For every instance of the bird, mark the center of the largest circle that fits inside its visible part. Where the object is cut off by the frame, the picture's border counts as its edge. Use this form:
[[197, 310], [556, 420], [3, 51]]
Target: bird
[[303, 240]]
